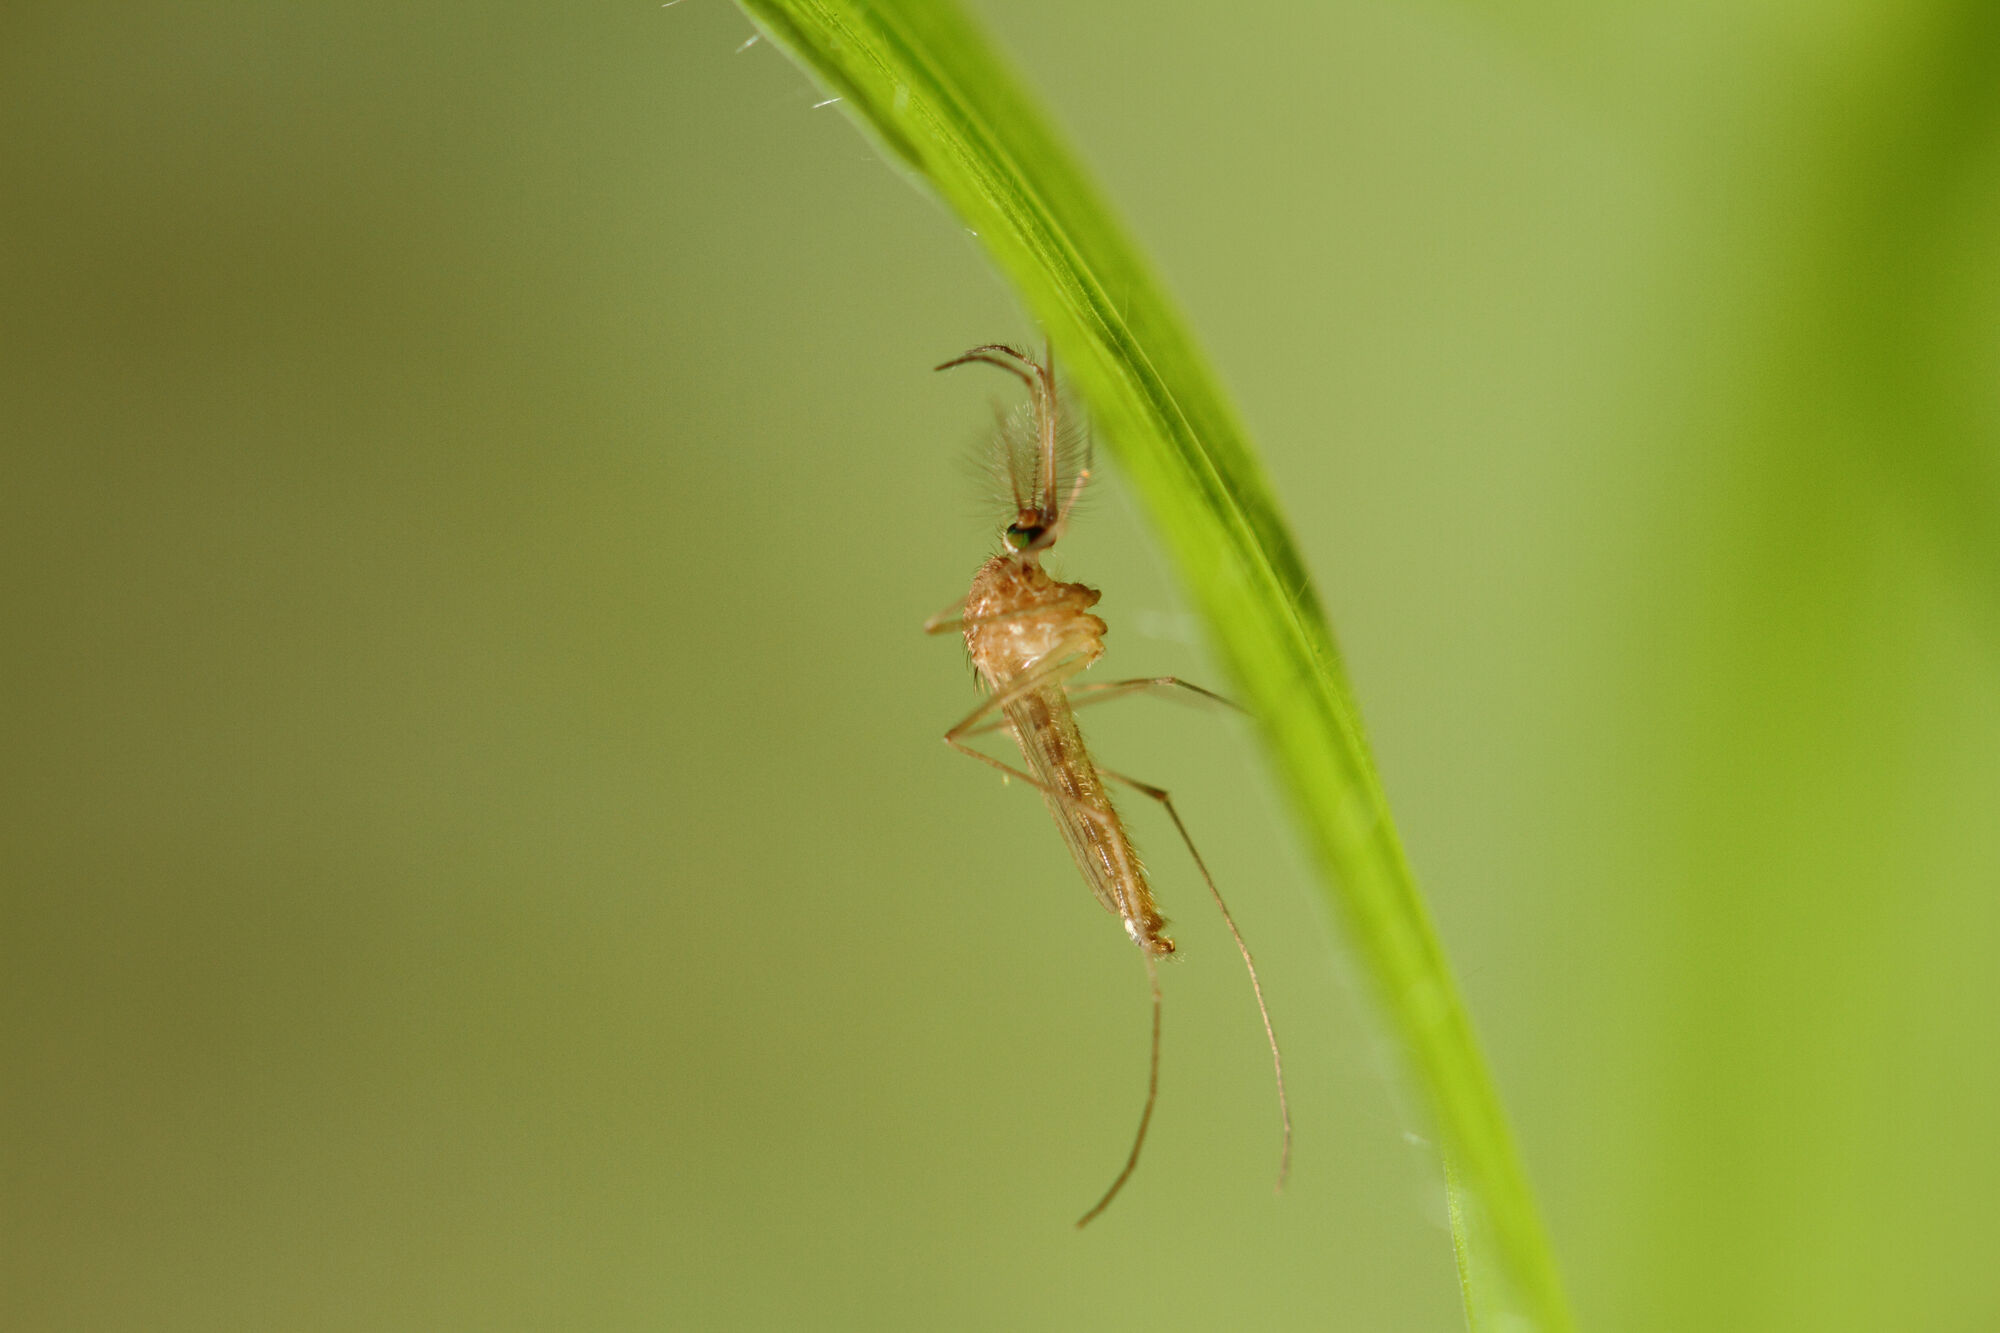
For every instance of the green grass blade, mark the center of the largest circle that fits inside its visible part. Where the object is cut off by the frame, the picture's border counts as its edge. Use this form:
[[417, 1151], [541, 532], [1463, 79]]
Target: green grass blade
[[922, 80]]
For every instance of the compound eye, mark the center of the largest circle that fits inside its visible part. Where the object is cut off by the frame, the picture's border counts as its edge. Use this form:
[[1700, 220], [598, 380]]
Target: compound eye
[[1027, 530], [1021, 536]]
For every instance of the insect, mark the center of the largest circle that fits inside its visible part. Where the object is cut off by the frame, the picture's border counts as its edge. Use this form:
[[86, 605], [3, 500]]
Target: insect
[[1029, 635]]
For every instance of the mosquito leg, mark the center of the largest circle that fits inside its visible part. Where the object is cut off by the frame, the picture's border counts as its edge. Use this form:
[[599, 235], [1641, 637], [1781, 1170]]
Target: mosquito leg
[[1098, 692], [1041, 679], [1152, 1096], [952, 617], [1008, 769], [1063, 661], [1106, 820], [1084, 808], [1249, 965], [1105, 691], [1061, 664]]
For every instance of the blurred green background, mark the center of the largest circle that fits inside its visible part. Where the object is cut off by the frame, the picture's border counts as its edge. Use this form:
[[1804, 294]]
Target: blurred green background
[[475, 848]]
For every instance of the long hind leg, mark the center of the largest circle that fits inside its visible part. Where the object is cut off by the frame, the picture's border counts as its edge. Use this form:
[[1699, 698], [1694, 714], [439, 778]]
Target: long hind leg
[[1152, 1096], [1249, 964]]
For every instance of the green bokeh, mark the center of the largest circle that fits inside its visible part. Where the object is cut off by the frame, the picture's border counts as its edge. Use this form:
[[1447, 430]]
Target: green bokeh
[[474, 846]]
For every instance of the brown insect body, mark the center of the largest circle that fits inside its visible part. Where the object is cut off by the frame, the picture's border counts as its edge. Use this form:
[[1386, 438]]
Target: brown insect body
[[1028, 635], [1023, 625]]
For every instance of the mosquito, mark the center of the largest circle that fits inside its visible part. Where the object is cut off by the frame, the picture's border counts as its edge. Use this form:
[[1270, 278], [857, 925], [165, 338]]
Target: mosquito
[[1029, 635]]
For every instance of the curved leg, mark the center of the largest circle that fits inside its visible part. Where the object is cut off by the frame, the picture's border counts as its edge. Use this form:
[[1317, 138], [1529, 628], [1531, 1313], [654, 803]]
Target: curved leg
[[1081, 696], [1098, 692], [1145, 1116], [1249, 964]]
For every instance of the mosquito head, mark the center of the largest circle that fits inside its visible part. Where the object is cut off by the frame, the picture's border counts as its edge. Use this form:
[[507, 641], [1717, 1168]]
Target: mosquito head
[[1031, 530], [1036, 451]]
